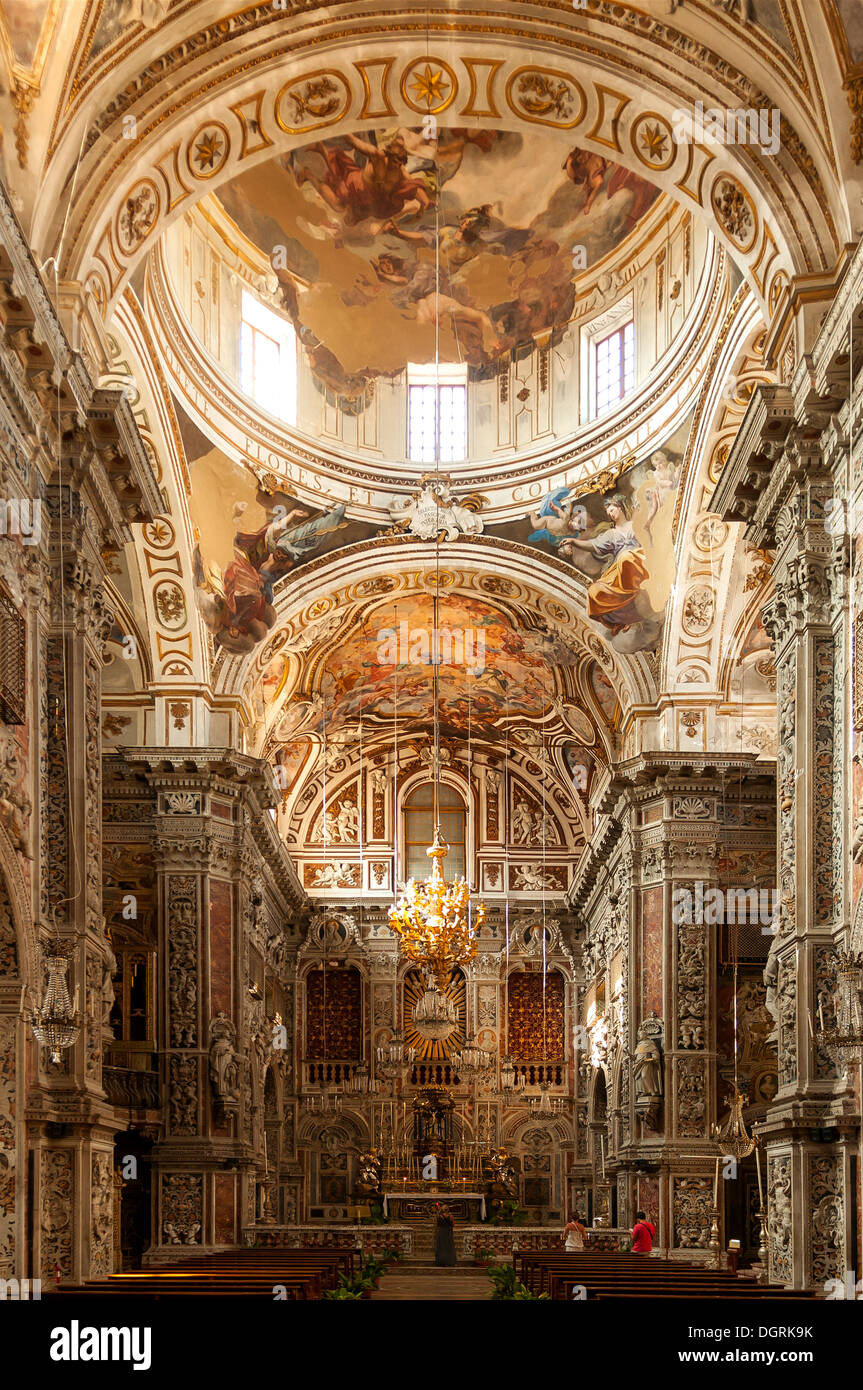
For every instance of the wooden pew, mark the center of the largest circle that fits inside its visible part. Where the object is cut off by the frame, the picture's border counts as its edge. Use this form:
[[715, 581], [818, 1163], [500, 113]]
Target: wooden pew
[[303, 1274]]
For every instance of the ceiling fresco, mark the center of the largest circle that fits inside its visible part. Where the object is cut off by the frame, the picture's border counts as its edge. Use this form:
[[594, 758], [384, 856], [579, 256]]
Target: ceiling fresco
[[489, 669], [358, 229], [619, 540], [23, 20]]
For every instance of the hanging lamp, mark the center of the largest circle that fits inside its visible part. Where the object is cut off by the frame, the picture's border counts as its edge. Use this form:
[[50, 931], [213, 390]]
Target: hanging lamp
[[433, 920], [733, 1138], [55, 1020]]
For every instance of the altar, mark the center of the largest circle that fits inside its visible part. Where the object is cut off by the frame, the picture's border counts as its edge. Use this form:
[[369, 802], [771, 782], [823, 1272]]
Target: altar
[[407, 1206]]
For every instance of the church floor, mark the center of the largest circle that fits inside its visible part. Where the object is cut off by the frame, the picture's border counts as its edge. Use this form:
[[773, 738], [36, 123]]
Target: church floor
[[427, 1281]]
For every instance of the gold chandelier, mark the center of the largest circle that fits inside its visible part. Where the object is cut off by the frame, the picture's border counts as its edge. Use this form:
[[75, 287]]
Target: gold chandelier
[[433, 920], [733, 1138]]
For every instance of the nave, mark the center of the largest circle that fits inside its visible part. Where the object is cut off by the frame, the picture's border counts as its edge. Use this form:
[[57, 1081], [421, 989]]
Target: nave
[[431, 780]]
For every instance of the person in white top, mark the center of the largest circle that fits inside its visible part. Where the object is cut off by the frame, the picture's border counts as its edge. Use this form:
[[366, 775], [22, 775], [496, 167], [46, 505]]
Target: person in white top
[[574, 1234]]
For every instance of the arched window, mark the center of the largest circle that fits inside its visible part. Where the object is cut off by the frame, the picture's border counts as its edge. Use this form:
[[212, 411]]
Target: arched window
[[419, 818], [268, 359]]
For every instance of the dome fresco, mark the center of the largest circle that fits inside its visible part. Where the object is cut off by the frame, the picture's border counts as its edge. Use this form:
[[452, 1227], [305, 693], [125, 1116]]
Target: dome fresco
[[359, 228]]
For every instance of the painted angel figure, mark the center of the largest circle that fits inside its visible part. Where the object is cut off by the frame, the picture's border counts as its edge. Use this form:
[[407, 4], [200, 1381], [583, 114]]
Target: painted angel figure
[[556, 518]]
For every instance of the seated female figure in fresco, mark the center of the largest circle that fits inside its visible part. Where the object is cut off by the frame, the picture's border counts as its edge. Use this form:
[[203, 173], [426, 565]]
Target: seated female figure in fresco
[[611, 599]]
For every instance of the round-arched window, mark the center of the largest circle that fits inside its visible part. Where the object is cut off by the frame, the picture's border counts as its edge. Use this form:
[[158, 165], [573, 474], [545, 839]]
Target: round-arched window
[[419, 826]]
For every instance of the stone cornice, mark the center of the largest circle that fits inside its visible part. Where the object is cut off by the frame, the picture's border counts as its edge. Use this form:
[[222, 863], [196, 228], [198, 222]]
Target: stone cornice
[[54, 391], [229, 774], [753, 455], [684, 773], [594, 860], [832, 365]]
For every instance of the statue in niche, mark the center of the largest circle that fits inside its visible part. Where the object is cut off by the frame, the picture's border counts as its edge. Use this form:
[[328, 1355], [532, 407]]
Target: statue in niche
[[109, 970], [224, 1062], [647, 1070], [771, 977], [369, 1179], [503, 1182]]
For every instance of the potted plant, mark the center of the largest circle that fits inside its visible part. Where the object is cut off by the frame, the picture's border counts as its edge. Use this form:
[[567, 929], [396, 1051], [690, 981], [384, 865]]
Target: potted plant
[[507, 1286], [483, 1258]]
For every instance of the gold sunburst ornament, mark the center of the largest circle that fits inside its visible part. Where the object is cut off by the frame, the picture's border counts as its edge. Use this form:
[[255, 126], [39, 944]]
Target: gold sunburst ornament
[[434, 922]]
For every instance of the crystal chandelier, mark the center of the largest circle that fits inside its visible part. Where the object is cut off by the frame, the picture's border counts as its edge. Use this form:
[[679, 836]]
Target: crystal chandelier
[[544, 1106], [360, 1083], [434, 922], [55, 1021], [844, 1041], [394, 1059], [512, 1082], [327, 1101], [472, 1061], [434, 1014]]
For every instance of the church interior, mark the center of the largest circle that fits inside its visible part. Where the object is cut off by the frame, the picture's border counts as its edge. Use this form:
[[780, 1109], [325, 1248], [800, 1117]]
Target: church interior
[[431, 695]]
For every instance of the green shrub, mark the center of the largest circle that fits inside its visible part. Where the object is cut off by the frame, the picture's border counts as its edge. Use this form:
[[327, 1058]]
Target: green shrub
[[507, 1286]]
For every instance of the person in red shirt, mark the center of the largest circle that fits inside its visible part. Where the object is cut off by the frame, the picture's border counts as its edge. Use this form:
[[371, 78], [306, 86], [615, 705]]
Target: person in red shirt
[[642, 1234]]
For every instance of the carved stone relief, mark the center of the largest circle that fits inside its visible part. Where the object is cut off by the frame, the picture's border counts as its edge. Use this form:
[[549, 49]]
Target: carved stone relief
[[692, 1207], [779, 1217], [691, 999], [8, 1148], [826, 1220], [786, 1013], [56, 1215], [183, 1100], [102, 1216], [691, 1097], [182, 1208], [183, 959]]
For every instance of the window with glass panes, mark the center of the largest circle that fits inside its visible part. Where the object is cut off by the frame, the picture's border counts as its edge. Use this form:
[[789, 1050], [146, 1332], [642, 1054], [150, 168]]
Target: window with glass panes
[[437, 412], [268, 359], [419, 828], [614, 366]]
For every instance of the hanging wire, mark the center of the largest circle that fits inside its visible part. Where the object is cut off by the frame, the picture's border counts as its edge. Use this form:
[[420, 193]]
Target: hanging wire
[[436, 600], [395, 763], [361, 803], [543, 842], [504, 821], [850, 652], [71, 839]]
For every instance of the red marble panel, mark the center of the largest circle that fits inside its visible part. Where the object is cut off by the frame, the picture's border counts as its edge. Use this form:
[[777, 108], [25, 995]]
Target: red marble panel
[[221, 921], [223, 1208], [651, 951]]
